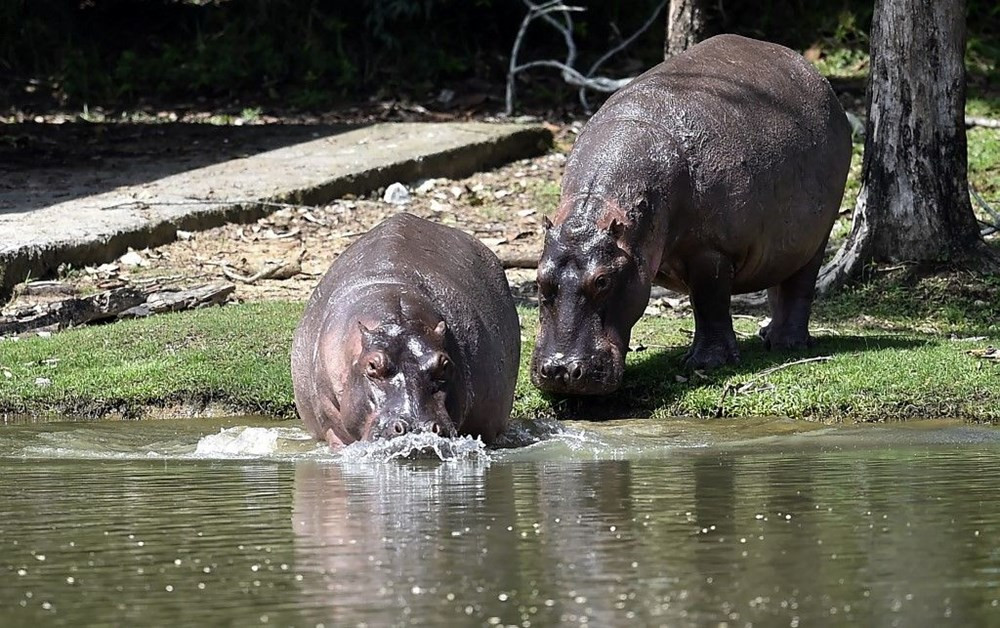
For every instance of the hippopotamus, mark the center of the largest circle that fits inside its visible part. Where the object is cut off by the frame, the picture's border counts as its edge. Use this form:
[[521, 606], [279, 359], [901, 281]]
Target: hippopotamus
[[717, 172], [412, 329]]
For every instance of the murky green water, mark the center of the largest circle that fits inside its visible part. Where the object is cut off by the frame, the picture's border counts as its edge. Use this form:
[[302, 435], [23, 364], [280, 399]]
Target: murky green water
[[631, 523]]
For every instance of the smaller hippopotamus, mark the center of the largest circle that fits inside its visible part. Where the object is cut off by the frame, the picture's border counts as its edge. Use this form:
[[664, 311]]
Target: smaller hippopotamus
[[413, 328], [717, 172]]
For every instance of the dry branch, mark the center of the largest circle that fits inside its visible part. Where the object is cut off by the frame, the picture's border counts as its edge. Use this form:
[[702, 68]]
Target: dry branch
[[124, 302], [529, 261], [989, 123], [569, 74], [989, 228]]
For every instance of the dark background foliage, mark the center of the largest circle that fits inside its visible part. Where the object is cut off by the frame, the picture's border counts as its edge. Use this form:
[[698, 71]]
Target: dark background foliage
[[315, 53]]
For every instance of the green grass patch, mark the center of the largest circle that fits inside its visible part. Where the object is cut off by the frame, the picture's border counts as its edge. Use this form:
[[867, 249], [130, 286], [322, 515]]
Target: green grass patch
[[984, 163], [236, 357], [894, 349]]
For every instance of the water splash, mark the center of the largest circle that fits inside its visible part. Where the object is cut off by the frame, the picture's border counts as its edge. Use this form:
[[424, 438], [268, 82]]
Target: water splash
[[419, 445], [246, 442]]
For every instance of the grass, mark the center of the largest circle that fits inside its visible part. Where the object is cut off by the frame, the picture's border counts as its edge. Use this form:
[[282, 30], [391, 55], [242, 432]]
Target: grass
[[891, 354], [890, 346], [236, 357]]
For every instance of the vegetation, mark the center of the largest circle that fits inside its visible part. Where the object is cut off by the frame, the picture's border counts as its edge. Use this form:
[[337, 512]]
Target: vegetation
[[896, 348], [118, 53]]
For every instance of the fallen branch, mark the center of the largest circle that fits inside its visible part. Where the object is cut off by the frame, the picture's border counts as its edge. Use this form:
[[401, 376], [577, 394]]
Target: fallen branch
[[271, 270], [71, 312], [207, 201], [519, 261], [988, 123], [988, 227], [989, 353], [732, 389], [177, 300], [125, 301]]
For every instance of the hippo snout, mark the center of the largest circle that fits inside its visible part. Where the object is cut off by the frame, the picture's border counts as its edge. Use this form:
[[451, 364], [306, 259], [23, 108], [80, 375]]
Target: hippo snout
[[569, 375], [399, 427]]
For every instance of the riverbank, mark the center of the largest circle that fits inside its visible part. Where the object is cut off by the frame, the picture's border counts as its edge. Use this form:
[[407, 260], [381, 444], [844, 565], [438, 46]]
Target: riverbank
[[905, 346]]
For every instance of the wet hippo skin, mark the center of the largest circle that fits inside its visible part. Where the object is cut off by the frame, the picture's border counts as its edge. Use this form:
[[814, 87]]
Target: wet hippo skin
[[719, 171], [413, 328]]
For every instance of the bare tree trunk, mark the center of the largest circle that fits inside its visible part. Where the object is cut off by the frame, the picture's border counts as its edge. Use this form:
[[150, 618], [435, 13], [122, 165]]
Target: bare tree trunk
[[914, 200], [685, 26]]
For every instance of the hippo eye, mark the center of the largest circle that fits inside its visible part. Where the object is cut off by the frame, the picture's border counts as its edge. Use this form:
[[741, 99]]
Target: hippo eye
[[439, 372], [441, 367], [601, 282], [546, 292]]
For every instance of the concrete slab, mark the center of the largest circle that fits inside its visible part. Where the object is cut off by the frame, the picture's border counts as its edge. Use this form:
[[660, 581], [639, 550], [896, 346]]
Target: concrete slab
[[81, 213]]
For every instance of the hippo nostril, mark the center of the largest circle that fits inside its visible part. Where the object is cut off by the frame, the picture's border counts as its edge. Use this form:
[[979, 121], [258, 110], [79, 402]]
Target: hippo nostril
[[576, 371], [399, 428], [547, 370], [552, 370], [436, 428]]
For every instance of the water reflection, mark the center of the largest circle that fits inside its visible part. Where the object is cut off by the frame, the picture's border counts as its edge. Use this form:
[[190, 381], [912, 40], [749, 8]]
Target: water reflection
[[849, 528], [871, 537]]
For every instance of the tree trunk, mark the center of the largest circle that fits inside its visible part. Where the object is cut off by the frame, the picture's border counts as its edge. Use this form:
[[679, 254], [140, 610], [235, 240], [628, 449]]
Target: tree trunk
[[914, 199], [685, 26]]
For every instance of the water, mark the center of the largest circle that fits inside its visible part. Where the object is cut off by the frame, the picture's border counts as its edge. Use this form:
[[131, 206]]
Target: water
[[237, 522]]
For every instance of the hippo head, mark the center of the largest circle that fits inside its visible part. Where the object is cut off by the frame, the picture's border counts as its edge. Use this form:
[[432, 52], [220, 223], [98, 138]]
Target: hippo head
[[591, 291], [402, 381]]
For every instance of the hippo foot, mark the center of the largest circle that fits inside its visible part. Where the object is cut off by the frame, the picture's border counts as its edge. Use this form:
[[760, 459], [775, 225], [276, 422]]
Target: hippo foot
[[702, 356], [785, 339]]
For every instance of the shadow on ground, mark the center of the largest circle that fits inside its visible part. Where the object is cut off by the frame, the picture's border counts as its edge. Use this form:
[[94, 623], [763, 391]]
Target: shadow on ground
[[47, 164], [652, 383]]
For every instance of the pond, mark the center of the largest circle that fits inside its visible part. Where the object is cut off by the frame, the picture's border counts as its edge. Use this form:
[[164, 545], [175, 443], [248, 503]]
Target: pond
[[735, 523]]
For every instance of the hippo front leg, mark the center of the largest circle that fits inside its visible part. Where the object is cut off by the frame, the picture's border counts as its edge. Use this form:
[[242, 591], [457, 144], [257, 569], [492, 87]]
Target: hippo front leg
[[710, 280], [791, 305]]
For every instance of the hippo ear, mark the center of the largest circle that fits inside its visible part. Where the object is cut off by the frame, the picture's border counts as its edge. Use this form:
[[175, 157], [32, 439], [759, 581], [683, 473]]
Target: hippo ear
[[616, 229], [366, 334], [440, 330], [546, 223]]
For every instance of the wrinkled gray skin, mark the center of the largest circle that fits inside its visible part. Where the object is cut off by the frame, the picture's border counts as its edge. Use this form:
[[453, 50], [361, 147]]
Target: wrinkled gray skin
[[413, 328], [717, 172]]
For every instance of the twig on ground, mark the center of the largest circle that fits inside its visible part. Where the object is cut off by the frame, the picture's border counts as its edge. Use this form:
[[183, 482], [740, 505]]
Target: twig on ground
[[989, 123], [988, 227], [732, 389], [206, 201], [989, 353]]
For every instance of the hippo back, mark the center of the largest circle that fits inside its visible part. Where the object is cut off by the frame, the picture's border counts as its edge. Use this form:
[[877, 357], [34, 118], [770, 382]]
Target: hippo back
[[739, 135]]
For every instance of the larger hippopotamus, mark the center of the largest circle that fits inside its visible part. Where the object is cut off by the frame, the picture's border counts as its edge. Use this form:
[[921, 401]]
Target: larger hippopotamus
[[413, 328], [719, 171]]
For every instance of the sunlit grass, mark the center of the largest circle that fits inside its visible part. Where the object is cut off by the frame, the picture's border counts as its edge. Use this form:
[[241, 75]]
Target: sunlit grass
[[894, 353]]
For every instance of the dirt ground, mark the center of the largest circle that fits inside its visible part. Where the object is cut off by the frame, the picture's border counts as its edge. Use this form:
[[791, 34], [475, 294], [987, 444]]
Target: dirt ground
[[283, 255]]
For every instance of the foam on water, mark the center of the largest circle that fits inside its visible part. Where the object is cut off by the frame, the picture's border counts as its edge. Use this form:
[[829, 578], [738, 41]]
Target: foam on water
[[422, 445], [244, 441], [542, 439]]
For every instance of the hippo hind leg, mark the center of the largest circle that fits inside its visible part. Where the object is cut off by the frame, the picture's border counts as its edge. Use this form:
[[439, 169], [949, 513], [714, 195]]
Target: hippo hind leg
[[791, 305], [710, 279]]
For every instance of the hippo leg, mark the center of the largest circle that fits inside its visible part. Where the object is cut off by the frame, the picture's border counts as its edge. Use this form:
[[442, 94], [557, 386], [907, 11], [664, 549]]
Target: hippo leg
[[791, 305], [710, 279]]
